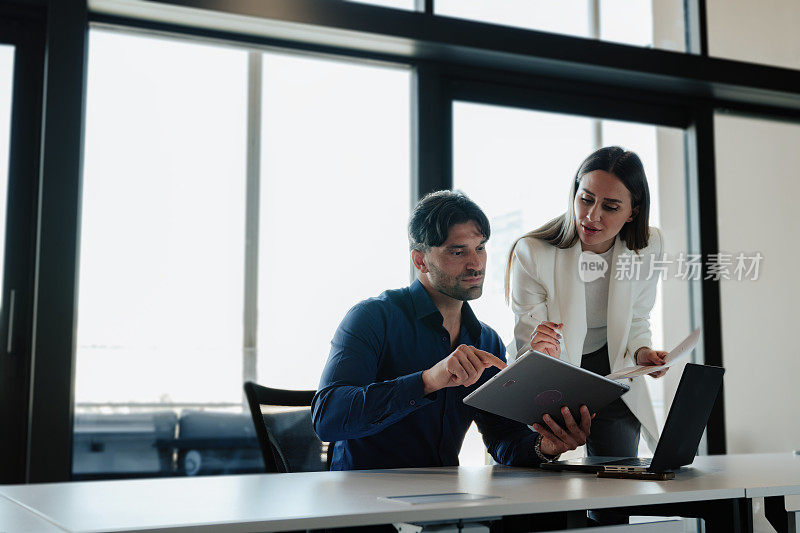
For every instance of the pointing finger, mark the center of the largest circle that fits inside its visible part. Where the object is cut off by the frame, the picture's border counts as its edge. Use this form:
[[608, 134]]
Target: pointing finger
[[489, 359]]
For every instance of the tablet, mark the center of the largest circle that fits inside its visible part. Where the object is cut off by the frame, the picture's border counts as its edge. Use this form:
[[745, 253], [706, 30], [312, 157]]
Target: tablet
[[536, 384]]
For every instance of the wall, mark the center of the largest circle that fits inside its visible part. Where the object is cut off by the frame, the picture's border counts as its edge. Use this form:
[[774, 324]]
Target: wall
[[758, 32], [757, 188], [757, 193]]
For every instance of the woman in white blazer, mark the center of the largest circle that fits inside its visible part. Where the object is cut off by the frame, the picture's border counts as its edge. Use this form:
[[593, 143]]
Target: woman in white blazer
[[601, 324]]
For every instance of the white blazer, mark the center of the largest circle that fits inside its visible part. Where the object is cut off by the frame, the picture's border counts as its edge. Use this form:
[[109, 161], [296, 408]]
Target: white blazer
[[545, 286]]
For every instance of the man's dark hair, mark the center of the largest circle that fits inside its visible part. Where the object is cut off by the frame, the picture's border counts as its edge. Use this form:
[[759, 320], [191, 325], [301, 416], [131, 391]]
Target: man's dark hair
[[435, 214]]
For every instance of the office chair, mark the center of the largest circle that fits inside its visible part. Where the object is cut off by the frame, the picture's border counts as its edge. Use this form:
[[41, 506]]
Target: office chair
[[285, 434]]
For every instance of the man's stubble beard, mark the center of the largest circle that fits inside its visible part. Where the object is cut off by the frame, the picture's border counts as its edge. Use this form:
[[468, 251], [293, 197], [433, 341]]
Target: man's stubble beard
[[449, 286]]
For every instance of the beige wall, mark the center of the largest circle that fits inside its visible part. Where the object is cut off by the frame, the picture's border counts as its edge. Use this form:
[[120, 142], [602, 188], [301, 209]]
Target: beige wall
[[758, 194], [669, 25], [762, 31], [758, 191]]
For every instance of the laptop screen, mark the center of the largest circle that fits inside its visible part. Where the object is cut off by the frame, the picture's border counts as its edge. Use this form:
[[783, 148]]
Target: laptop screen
[[687, 417]]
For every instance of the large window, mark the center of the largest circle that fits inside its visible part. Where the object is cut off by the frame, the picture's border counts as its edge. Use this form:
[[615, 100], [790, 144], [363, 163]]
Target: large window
[[171, 186]]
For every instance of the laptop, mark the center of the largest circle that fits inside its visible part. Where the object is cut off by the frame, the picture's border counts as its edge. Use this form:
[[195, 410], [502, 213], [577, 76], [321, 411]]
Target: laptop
[[683, 430]]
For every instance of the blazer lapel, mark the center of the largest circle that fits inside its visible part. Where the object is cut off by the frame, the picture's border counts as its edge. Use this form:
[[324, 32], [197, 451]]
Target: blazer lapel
[[571, 297], [619, 308]]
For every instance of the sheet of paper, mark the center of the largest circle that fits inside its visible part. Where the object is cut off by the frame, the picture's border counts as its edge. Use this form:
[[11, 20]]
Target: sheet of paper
[[681, 351]]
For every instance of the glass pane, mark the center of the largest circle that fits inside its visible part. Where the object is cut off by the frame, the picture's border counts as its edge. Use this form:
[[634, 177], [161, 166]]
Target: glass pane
[[757, 162], [570, 17], [6, 88], [661, 152], [162, 245], [530, 153], [626, 21], [755, 32], [659, 24], [398, 4], [335, 176], [495, 142], [535, 155]]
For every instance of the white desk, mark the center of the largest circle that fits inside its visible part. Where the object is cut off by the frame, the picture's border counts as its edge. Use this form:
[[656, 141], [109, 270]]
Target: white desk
[[776, 478], [14, 517], [276, 502]]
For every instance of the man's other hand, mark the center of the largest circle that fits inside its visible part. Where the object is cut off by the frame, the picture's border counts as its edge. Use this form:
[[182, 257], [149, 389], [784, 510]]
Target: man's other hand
[[557, 440]]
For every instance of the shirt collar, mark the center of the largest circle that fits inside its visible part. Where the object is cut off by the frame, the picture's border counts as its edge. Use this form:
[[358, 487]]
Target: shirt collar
[[424, 307]]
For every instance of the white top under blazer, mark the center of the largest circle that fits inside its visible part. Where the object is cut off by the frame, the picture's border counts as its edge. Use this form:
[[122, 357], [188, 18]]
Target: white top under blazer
[[545, 286]]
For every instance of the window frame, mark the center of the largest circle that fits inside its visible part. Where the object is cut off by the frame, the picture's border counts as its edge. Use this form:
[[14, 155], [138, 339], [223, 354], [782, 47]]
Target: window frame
[[23, 28]]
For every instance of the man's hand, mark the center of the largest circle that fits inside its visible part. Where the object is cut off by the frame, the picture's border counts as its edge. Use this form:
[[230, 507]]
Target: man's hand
[[556, 440], [648, 357], [462, 367], [545, 339]]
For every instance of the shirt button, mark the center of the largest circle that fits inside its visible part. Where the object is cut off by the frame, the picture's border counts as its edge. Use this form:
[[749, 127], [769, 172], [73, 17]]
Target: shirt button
[[444, 339], [412, 402]]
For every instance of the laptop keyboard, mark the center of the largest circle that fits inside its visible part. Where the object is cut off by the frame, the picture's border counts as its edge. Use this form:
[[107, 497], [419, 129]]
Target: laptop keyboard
[[631, 461]]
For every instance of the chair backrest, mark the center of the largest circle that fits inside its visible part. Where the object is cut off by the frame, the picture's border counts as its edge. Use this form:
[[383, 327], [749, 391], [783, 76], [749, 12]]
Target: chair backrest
[[282, 420]]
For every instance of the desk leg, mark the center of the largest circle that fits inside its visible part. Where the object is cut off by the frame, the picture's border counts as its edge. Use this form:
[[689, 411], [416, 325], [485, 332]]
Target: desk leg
[[732, 515]]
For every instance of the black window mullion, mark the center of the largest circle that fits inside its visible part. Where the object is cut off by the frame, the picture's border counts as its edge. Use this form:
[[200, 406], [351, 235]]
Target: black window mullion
[[431, 135], [54, 313], [432, 131], [24, 29]]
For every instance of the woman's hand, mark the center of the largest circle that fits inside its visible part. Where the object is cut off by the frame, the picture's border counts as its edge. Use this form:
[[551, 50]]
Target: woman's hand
[[648, 357], [545, 339]]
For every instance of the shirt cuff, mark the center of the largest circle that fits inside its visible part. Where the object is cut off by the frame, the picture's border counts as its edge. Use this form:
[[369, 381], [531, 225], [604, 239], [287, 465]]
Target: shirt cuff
[[411, 392]]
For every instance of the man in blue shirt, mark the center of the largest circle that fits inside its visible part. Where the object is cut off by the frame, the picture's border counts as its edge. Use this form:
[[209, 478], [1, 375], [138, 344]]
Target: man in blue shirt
[[400, 364]]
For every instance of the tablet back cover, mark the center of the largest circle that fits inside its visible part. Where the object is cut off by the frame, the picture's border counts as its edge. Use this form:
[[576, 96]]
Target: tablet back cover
[[537, 384]]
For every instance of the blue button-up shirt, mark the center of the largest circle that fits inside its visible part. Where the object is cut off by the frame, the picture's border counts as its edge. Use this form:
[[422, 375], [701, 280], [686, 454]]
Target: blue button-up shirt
[[371, 399]]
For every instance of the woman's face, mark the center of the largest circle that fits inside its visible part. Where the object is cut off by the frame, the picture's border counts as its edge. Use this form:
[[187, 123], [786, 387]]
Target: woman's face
[[602, 206]]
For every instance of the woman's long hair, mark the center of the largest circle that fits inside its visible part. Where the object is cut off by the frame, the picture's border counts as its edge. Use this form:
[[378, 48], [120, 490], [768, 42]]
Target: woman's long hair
[[561, 231]]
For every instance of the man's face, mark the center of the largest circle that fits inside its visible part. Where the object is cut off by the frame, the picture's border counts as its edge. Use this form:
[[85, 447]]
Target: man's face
[[457, 267]]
